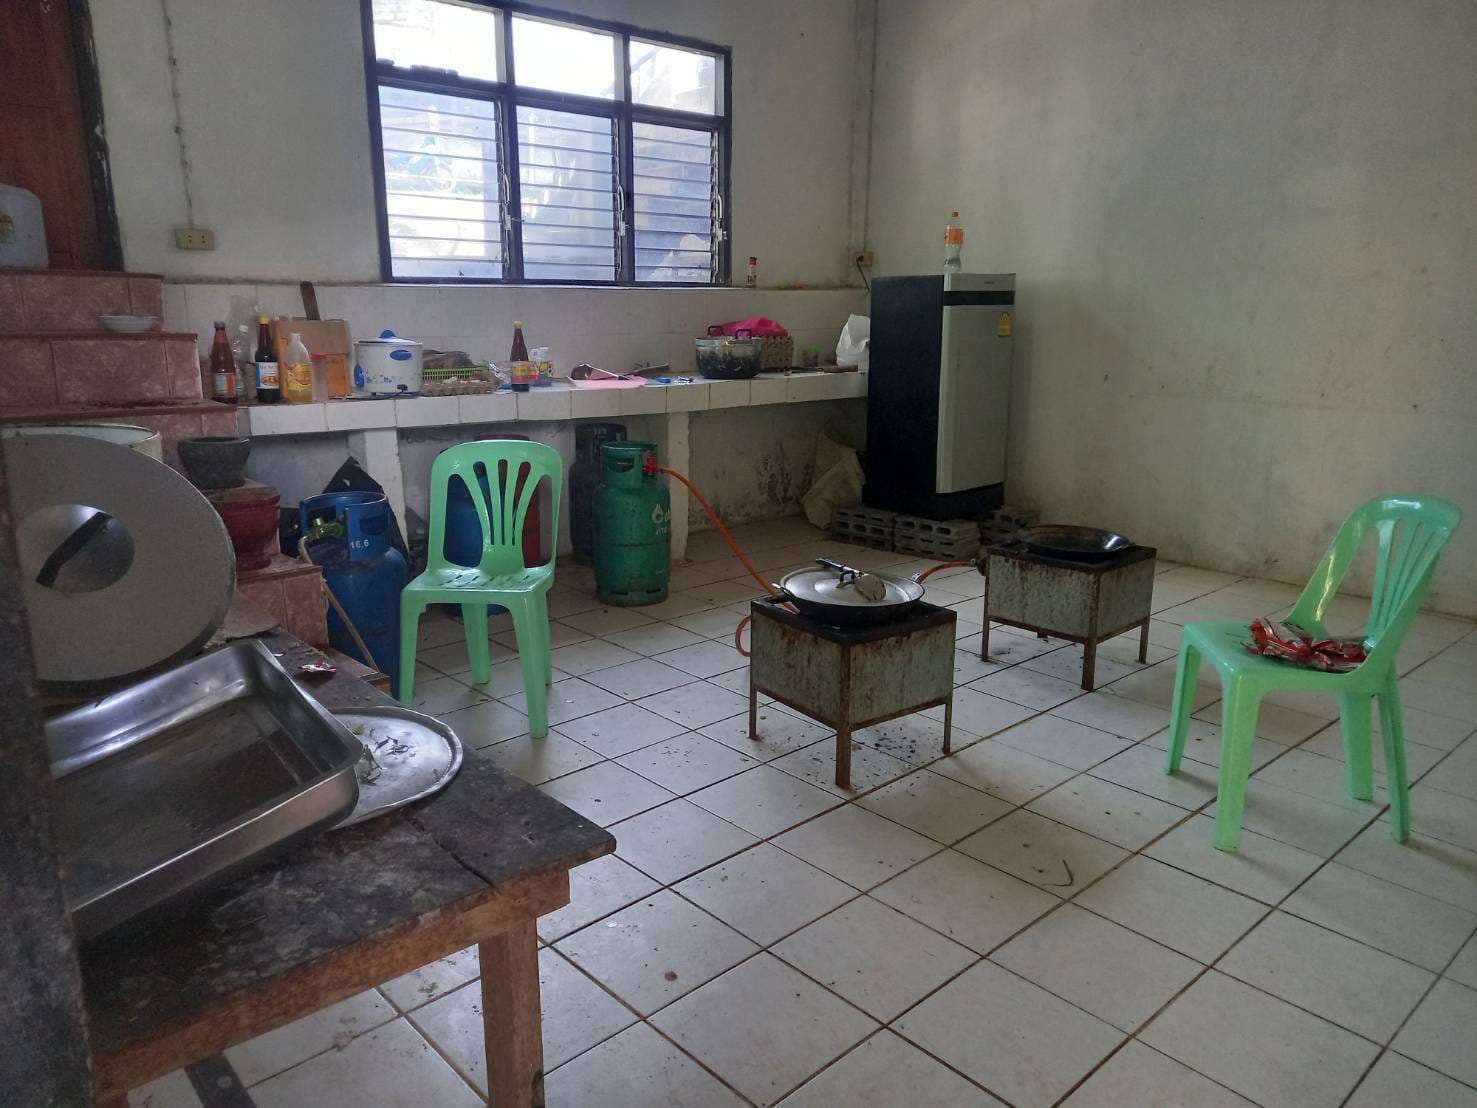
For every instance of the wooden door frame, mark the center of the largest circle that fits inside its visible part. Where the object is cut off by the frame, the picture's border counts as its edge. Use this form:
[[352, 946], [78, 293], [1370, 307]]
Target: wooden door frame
[[90, 93]]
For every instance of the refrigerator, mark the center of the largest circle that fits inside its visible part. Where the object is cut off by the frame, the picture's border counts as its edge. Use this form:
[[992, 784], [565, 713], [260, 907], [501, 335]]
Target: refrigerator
[[939, 393]]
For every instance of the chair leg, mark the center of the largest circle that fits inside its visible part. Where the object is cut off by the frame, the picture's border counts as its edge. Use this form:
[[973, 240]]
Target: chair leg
[[474, 622], [541, 618], [533, 659], [1184, 700], [410, 626], [1238, 735], [1392, 729], [1358, 773]]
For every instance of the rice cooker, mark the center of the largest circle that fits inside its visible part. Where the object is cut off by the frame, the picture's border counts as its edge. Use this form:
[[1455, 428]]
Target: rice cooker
[[387, 366]]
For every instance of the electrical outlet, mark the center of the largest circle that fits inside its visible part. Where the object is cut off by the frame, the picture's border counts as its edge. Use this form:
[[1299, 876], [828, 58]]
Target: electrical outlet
[[194, 238], [862, 259]]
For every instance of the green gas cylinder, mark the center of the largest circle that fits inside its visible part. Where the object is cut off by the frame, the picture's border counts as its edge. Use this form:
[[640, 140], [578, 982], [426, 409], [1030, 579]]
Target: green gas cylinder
[[632, 526]]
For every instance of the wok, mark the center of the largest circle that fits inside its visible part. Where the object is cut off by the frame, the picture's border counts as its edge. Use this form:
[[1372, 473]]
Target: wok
[[830, 595], [1082, 544]]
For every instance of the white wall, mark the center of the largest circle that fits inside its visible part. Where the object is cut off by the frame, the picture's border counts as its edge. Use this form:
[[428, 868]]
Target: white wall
[[273, 105], [1244, 234]]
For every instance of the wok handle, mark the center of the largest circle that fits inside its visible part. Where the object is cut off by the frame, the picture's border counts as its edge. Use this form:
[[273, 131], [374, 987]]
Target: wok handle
[[847, 573]]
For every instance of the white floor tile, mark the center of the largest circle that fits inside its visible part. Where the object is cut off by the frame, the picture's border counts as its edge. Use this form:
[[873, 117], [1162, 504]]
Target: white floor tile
[[1108, 811], [1399, 921], [1141, 768], [1318, 777], [596, 889], [1014, 1038], [936, 806], [857, 846], [1284, 726], [173, 1090], [766, 893], [1115, 714], [452, 659], [540, 760], [444, 695], [1443, 815], [1050, 855], [332, 1027], [1108, 970], [886, 1072], [1443, 1032], [1345, 982], [1261, 868], [1002, 771], [577, 1014], [485, 724], [1464, 967], [696, 705], [877, 958], [1175, 908], [1065, 664], [982, 714], [1262, 1047], [704, 659], [713, 623], [677, 839], [636, 1069], [656, 950], [421, 986], [965, 900], [606, 793], [1074, 745], [604, 621], [764, 801], [816, 763], [686, 762], [620, 730], [1304, 821], [1203, 745], [1428, 866], [1395, 1079], [780, 732], [1028, 687], [796, 1028], [643, 677], [917, 739], [653, 638], [391, 1067], [569, 699], [590, 655], [1137, 1075]]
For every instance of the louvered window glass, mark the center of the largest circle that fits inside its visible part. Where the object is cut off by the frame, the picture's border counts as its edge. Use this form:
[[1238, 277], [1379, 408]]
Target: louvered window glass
[[515, 147]]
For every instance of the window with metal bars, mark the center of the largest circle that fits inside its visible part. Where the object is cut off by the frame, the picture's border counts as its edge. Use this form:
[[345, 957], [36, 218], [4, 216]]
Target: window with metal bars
[[521, 145]]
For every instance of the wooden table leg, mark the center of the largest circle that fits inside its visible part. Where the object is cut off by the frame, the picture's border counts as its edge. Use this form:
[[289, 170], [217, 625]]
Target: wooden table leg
[[1144, 643], [511, 1017], [1089, 664], [948, 722]]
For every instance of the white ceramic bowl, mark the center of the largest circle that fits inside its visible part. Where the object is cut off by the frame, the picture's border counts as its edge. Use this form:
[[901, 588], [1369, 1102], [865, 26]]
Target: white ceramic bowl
[[130, 323]]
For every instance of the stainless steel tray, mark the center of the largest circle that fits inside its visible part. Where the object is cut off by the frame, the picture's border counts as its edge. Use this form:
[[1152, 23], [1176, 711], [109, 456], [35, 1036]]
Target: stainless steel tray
[[409, 757], [183, 780]]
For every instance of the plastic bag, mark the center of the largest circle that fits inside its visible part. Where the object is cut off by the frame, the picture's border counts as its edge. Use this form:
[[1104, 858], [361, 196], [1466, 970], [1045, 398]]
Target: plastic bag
[[838, 482], [854, 346]]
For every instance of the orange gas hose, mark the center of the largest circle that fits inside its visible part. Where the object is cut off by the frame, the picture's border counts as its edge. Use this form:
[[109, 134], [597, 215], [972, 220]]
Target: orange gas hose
[[738, 631]]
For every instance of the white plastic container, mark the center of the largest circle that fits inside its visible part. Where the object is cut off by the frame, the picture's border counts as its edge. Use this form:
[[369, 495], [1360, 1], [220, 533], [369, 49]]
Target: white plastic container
[[387, 366]]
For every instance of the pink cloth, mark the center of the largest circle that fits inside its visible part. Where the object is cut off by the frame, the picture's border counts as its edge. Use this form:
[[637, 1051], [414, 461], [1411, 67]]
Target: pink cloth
[[759, 326]]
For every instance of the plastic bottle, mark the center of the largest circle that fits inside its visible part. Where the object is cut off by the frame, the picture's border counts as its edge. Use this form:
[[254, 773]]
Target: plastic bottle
[[543, 365], [245, 367], [222, 367], [953, 243], [297, 379], [751, 275]]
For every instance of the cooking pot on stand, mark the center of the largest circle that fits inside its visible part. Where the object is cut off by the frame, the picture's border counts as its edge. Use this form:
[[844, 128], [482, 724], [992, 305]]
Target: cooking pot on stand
[[831, 596]]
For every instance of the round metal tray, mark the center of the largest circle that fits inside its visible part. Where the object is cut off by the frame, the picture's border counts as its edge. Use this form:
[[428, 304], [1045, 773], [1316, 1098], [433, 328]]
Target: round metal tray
[[1083, 544], [415, 755]]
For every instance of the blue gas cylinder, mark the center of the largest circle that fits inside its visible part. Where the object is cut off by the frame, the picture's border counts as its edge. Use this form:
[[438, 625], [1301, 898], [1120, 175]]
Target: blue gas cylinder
[[363, 570]]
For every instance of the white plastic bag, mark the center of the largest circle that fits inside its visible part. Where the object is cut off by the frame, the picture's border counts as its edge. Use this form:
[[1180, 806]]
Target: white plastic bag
[[838, 482], [853, 348]]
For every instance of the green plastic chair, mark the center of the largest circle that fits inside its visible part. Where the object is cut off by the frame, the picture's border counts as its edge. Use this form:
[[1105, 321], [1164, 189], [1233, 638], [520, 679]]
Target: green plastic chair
[[513, 470], [1412, 531]]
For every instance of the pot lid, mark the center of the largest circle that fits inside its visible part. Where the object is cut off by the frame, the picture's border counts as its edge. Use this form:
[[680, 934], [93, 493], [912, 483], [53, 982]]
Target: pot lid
[[826, 586], [388, 338]]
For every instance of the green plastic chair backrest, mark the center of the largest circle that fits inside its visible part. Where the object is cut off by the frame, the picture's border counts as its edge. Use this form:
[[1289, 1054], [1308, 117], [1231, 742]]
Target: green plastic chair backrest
[[513, 469], [1412, 530]]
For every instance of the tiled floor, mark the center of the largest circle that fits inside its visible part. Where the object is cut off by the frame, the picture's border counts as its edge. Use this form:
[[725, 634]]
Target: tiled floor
[[1037, 919]]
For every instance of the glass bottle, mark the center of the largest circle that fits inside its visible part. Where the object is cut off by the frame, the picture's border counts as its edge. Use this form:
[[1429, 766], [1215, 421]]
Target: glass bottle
[[268, 383], [222, 367]]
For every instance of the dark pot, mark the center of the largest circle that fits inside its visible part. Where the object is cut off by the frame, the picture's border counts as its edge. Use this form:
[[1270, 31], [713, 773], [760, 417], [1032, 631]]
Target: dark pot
[[215, 461], [250, 516]]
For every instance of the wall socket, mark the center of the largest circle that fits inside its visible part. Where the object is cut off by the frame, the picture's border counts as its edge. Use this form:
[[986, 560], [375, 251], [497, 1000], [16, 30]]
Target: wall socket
[[194, 238], [861, 259]]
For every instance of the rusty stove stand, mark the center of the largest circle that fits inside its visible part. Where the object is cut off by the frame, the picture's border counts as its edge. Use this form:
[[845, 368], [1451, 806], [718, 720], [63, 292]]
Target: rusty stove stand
[[1083, 602], [852, 677]]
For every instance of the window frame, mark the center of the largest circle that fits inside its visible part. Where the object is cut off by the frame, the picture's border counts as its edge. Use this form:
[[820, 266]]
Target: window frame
[[623, 112]]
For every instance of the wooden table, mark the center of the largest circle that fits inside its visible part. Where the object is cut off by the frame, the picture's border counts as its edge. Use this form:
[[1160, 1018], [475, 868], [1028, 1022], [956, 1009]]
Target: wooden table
[[852, 677], [476, 864], [1082, 602]]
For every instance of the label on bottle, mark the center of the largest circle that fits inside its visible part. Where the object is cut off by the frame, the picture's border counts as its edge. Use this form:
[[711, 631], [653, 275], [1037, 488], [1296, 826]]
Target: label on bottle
[[953, 236], [524, 373], [266, 375], [1002, 330], [223, 386]]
